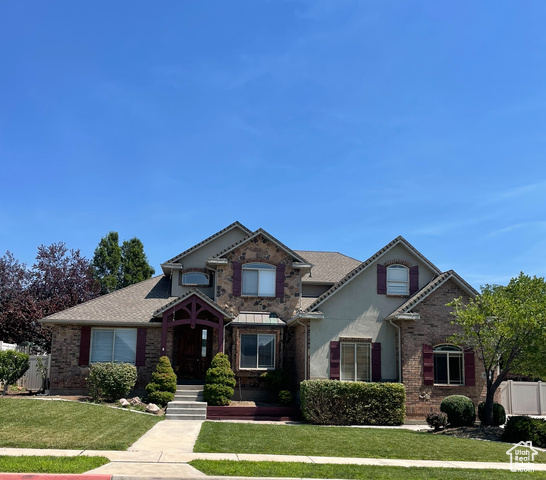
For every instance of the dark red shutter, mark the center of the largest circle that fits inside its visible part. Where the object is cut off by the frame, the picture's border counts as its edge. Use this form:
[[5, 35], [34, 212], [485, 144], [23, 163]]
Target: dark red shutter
[[334, 360], [279, 283], [469, 368], [237, 270], [428, 364], [140, 360], [413, 279], [85, 344], [381, 279], [376, 362]]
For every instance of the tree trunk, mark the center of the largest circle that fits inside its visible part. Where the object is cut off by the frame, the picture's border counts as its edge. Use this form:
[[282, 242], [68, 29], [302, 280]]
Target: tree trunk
[[488, 410]]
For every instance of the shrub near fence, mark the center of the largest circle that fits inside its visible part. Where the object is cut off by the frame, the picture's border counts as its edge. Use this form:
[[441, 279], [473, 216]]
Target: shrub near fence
[[333, 402]]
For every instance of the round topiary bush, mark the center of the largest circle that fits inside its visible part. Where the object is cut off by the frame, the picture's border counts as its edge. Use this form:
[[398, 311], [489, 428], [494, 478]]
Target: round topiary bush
[[499, 414], [163, 385], [219, 381], [111, 381], [460, 410]]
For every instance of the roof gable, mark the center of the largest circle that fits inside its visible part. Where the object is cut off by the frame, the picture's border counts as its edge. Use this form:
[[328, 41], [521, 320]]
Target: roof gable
[[271, 238], [328, 267], [364, 265], [197, 246], [431, 287], [191, 292]]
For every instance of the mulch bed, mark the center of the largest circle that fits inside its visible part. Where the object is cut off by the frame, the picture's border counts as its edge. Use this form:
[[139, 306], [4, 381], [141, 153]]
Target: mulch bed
[[479, 432]]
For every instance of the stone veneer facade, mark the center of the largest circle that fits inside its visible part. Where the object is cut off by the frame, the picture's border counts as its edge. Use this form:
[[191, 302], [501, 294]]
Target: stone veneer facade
[[433, 328]]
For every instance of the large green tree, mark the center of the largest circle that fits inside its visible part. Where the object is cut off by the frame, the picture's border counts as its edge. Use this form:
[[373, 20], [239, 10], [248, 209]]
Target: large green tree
[[506, 326], [107, 262], [116, 267], [134, 264]]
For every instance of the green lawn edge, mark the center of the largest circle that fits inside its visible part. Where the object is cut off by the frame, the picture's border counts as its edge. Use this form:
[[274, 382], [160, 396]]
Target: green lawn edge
[[313, 440], [357, 472], [34, 423], [50, 464]]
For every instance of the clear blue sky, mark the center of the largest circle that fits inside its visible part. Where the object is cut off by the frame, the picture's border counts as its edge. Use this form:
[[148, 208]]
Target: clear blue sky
[[334, 125]]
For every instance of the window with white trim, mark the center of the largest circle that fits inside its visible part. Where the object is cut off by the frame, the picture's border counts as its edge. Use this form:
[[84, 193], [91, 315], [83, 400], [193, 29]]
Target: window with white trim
[[113, 345], [257, 351], [397, 280], [355, 362], [259, 280], [448, 365], [195, 278]]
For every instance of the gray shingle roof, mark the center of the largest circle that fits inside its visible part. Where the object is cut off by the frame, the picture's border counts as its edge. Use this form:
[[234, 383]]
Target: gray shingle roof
[[130, 305], [328, 267], [207, 240], [191, 292], [433, 285]]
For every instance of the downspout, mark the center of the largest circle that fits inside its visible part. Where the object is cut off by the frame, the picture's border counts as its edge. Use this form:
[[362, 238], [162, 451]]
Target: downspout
[[306, 337], [399, 350]]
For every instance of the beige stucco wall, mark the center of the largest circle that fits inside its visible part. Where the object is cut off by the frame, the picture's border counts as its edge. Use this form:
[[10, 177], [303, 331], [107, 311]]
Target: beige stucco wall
[[358, 311]]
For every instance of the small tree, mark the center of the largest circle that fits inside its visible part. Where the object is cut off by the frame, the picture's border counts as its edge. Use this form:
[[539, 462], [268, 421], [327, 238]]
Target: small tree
[[219, 381], [13, 365], [163, 385], [506, 326]]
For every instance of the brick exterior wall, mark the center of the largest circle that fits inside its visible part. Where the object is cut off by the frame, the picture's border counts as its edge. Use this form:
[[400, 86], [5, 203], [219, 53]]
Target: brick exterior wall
[[66, 375], [433, 328]]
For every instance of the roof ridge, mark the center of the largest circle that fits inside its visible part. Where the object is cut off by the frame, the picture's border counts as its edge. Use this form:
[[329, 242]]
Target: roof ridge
[[206, 240], [329, 251]]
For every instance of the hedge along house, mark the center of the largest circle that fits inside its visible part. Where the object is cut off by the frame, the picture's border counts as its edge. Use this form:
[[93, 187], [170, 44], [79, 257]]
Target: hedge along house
[[316, 315]]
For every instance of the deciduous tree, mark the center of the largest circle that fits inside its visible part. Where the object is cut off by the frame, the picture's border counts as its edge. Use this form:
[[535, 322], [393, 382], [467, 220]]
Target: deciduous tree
[[506, 326]]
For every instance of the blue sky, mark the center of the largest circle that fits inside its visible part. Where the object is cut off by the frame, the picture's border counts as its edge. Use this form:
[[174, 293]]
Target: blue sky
[[334, 125]]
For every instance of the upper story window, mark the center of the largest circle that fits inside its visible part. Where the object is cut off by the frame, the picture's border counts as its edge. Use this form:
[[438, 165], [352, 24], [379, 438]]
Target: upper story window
[[195, 278], [113, 345], [397, 280], [258, 280], [448, 365]]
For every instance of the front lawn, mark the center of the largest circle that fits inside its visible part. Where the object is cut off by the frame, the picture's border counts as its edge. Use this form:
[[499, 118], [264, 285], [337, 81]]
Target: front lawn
[[313, 470], [316, 440], [30, 423], [35, 464]]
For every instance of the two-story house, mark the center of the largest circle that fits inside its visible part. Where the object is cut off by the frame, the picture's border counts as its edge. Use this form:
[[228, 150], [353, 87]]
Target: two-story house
[[316, 315]]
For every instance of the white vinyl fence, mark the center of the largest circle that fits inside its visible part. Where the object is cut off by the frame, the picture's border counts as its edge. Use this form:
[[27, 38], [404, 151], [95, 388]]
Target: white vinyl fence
[[7, 346], [523, 398]]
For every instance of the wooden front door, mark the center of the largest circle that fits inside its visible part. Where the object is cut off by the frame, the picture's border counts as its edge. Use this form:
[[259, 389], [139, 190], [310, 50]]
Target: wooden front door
[[194, 351]]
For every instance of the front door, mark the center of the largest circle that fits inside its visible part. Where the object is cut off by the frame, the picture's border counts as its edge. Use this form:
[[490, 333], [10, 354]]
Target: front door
[[194, 351]]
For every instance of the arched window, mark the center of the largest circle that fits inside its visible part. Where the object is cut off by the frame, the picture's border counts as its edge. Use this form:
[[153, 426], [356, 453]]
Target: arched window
[[195, 278], [259, 280], [448, 365], [397, 280]]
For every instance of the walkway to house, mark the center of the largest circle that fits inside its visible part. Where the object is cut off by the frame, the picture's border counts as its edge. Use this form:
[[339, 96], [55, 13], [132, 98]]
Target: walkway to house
[[165, 450]]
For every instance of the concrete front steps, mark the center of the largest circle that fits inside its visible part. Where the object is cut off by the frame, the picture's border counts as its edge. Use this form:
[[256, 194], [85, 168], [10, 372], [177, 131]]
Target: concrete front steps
[[187, 404]]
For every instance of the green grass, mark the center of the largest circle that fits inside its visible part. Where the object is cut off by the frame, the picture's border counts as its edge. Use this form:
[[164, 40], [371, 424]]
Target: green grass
[[33, 464], [312, 470], [28, 423], [346, 442]]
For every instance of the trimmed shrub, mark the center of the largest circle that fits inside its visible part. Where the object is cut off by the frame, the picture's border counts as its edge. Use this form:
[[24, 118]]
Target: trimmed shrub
[[437, 420], [274, 380], [285, 397], [460, 410], [499, 414], [523, 428], [219, 381], [13, 365], [111, 381], [162, 388], [332, 402]]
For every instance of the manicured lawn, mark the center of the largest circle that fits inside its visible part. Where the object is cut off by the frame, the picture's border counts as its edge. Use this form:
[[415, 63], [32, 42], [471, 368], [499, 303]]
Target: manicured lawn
[[33, 464], [346, 442], [28, 423], [311, 470]]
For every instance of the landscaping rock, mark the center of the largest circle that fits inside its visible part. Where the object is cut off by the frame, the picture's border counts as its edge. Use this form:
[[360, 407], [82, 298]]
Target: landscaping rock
[[152, 408], [124, 403], [135, 401]]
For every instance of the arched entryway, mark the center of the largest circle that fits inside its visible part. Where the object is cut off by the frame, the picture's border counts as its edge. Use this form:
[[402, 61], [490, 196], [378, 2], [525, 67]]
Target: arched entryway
[[197, 324]]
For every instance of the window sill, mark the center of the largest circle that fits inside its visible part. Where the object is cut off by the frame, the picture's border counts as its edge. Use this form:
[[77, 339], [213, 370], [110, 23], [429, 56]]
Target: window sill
[[257, 296], [448, 385]]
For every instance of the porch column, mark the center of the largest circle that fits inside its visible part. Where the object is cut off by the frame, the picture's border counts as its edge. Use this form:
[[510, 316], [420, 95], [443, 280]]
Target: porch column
[[164, 334], [220, 334]]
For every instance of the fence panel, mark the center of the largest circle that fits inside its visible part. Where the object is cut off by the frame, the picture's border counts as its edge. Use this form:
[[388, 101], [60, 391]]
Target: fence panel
[[523, 398], [32, 380]]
